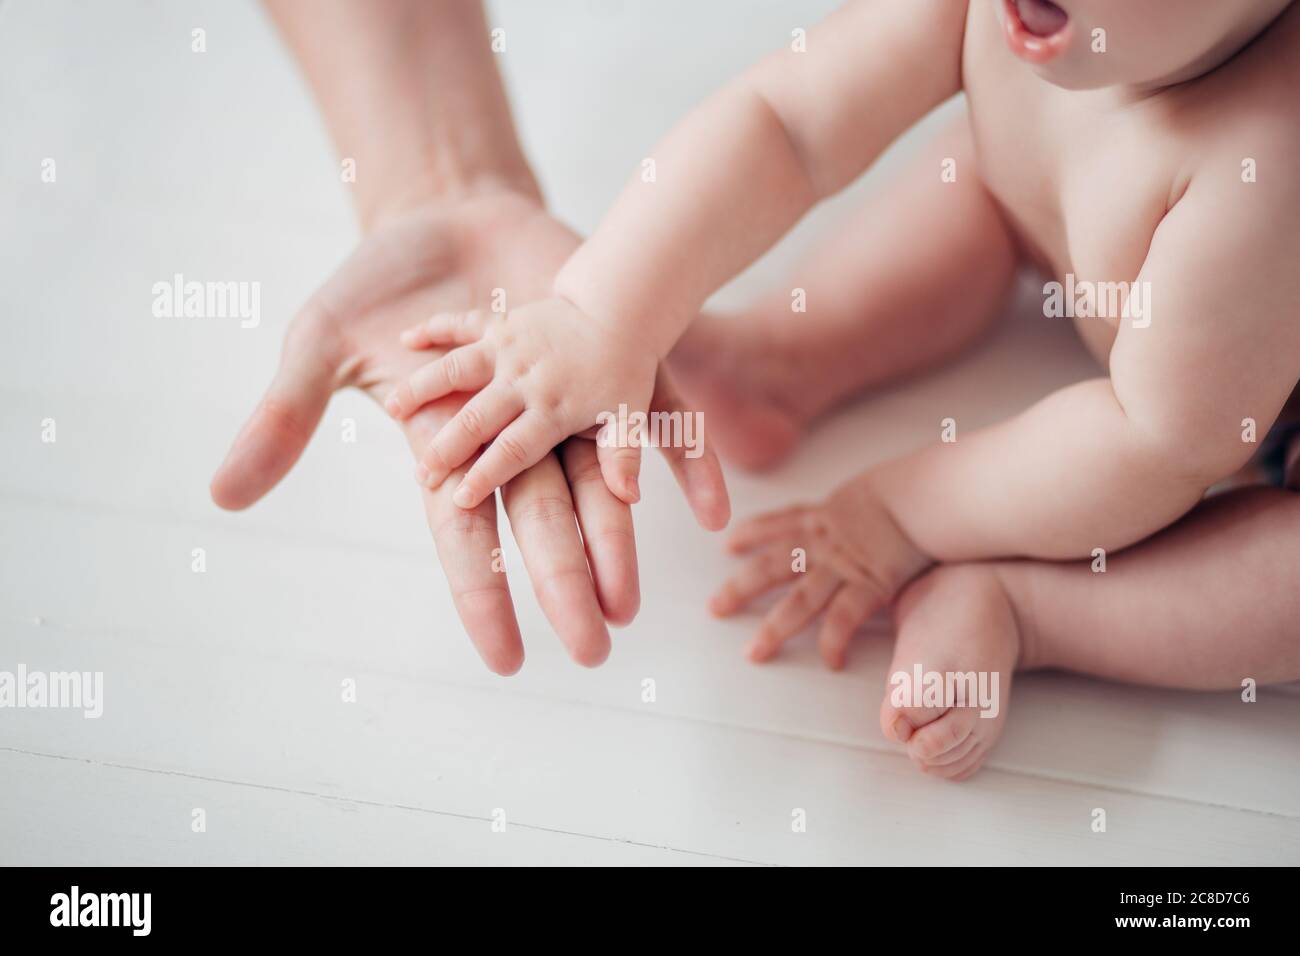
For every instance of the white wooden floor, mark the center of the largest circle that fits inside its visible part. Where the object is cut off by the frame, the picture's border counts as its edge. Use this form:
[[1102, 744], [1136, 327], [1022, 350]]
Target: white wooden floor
[[223, 689]]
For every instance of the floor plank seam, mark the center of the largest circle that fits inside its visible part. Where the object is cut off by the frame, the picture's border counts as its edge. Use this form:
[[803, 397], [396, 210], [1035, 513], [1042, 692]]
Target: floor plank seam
[[161, 517], [885, 751], [857, 746], [1154, 794], [378, 804]]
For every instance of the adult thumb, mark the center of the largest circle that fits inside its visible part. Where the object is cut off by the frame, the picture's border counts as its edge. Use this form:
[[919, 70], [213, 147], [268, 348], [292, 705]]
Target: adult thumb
[[274, 437]]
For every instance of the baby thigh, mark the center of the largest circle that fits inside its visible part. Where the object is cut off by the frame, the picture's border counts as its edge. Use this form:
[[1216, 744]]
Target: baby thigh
[[1204, 604], [911, 279]]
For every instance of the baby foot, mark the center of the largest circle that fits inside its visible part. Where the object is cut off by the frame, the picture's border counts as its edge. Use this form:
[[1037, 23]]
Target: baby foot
[[723, 370], [958, 621]]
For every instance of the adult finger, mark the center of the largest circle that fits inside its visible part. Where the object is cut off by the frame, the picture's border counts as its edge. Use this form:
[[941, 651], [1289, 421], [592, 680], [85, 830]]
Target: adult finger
[[274, 437], [469, 549], [315, 352], [694, 465], [607, 534], [542, 518]]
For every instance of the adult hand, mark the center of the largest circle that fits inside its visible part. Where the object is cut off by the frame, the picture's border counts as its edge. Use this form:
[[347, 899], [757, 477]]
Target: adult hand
[[450, 254]]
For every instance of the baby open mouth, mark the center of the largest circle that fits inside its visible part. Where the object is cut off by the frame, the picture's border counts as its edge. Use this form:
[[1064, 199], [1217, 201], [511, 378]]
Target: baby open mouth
[[1042, 18]]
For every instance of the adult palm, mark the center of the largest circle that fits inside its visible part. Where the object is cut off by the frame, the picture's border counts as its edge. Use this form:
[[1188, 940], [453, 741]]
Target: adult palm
[[453, 255]]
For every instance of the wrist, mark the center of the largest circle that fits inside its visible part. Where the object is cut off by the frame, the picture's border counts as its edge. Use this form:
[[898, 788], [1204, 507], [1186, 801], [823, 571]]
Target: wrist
[[869, 495], [637, 323], [403, 191], [411, 95]]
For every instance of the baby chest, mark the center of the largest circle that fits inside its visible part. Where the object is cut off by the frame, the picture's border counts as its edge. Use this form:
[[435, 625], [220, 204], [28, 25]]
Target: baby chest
[[1083, 194], [1082, 178], [1085, 214]]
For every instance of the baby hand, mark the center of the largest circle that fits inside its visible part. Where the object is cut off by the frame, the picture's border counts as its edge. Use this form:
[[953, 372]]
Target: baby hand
[[542, 373], [850, 559]]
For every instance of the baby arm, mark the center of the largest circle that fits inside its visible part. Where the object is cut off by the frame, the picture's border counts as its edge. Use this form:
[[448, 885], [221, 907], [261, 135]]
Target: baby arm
[[729, 181], [742, 168], [1105, 463]]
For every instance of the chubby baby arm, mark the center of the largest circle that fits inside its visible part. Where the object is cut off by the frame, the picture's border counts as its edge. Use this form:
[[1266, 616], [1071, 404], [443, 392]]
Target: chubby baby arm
[[1102, 463], [728, 182], [749, 162], [1107, 462]]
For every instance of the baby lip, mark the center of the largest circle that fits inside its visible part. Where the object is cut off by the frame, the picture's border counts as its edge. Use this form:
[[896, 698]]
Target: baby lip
[[1044, 15], [1041, 18]]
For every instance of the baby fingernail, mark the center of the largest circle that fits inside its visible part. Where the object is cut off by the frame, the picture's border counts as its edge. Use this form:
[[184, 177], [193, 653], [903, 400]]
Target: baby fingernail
[[462, 497], [633, 488], [392, 405], [422, 475]]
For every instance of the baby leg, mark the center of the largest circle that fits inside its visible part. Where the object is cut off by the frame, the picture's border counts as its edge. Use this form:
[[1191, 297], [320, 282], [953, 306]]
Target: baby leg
[[957, 619], [1203, 605], [908, 282]]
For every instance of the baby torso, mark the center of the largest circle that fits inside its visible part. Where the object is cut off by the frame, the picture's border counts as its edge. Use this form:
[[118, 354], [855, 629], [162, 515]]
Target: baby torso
[[1084, 178]]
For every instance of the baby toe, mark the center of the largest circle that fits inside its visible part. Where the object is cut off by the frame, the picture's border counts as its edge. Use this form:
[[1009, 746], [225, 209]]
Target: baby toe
[[945, 761], [967, 767], [900, 723], [940, 737]]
